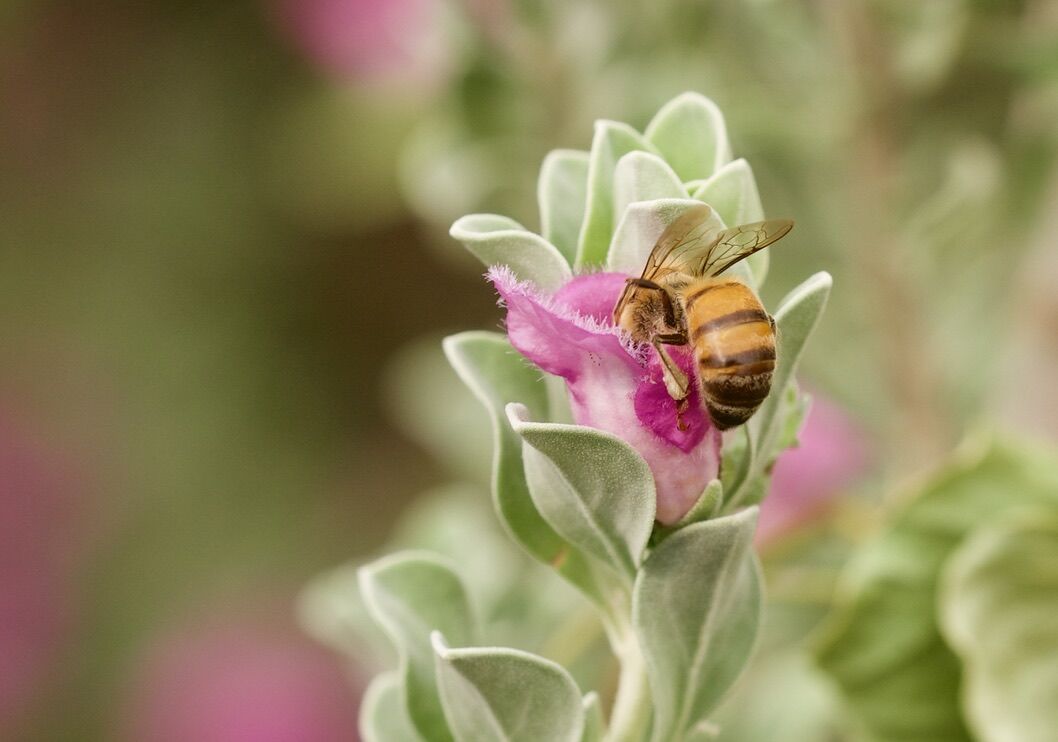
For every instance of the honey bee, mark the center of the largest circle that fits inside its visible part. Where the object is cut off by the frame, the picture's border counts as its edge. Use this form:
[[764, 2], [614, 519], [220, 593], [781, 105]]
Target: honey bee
[[681, 298]]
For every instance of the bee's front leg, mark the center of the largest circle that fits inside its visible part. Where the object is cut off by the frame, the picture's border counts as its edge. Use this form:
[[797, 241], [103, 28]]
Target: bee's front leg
[[676, 382], [674, 338]]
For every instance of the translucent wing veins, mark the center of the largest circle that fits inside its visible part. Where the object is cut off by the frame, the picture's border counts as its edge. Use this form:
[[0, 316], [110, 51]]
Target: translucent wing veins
[[737, 243], [689, 245]]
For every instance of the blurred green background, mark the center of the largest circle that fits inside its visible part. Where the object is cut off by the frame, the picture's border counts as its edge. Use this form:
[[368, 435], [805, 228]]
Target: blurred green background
[[225, 268]]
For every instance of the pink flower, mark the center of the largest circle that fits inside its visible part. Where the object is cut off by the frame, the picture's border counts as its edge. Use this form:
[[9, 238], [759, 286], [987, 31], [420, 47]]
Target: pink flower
[[367, 40], [614, 386], [832, 454], [41, 535], [242, 679]]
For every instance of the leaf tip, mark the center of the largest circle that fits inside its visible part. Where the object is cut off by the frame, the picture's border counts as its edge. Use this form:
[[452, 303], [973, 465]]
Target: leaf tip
[[459, 226], [440, 646], [820, 280], [517, 415]]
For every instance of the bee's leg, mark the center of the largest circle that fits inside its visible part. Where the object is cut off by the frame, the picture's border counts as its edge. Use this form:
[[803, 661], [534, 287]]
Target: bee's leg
[[674, 338], [676, 382]]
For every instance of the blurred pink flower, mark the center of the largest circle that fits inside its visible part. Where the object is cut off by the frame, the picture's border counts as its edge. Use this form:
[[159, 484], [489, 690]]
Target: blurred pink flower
[[39, 543], [242, 679], [367, 40], [831, 456], [612, 386]]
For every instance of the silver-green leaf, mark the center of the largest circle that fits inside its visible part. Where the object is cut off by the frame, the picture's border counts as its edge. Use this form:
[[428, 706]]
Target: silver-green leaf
[[882, 645], [612, 141], [691, 135], [707, 505], [732, 191], [999, 601], [594, 723], [384, 712], [498, 376], [493, 694], [331, 610], [696, 611], [640, 227], [796, 318], [592, 487], [642, 176], [411, 594], [562, 192], [497, 240]]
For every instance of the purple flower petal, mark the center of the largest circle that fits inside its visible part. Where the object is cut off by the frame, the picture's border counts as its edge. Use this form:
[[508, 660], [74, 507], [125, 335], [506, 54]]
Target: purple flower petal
[[243, 676], [592, 295], [658, 411], [44, 528], [364, 39], [554, 334], [613, 386], [832, 454]]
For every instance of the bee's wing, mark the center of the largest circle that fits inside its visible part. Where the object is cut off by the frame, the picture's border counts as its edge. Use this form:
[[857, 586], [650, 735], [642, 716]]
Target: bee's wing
[[684, 243], [692, 246], [734, 244]]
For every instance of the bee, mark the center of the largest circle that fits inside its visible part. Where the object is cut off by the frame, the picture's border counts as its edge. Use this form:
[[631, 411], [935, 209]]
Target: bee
[[682, 298]]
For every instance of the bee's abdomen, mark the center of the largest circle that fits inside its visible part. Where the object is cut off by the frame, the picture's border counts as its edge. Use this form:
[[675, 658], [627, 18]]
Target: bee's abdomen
[[734, 343]]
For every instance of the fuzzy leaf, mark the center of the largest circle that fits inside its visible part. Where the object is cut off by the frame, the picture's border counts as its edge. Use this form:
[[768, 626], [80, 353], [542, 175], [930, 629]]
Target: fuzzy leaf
[[708, 505], [641, 176], [497, 240], [612, 141], [796, 318], [456, 522], [696, 610], [998, 606], [769, 428], [492, 694], [592, 487], [332, 611], [594, 723], [562, 192], [498, 375], [427, 400], [411, 594], [784, 690], [690, 133], [384, 712], [738, 457], [882, 644], [732, 191], [639, 229]]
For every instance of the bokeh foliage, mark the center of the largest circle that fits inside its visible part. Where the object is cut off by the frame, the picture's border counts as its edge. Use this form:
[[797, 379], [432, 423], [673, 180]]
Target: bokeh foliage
[[203, 237]]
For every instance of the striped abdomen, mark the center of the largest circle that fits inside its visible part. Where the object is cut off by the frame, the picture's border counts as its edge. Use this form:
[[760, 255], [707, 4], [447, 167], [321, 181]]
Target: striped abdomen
[[734, 342]]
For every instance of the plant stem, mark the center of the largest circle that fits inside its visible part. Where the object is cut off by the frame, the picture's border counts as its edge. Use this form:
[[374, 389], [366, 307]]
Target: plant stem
[[632, 708]]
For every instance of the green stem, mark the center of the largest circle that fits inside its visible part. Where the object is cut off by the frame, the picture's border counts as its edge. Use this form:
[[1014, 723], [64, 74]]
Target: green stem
[[633, 707]]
